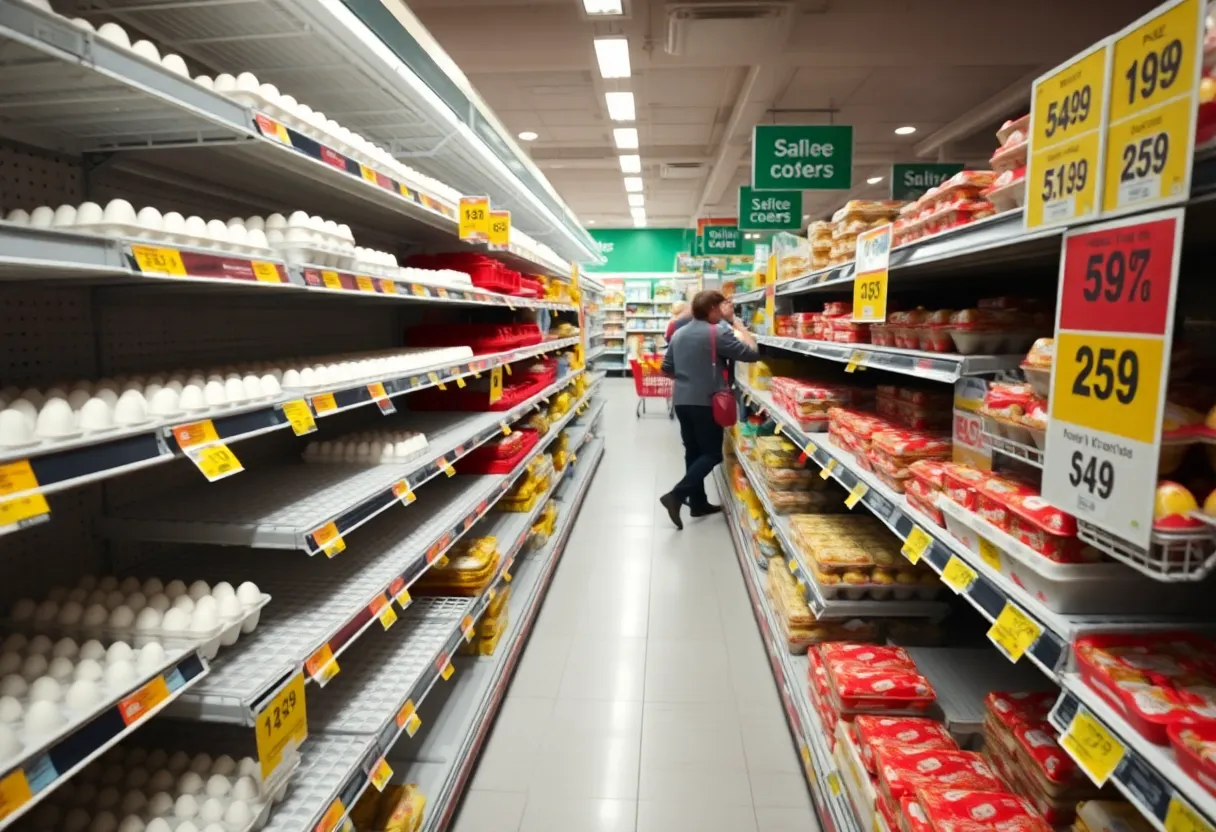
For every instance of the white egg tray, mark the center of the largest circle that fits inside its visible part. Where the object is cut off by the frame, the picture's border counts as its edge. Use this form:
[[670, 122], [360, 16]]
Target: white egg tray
[[305, 254], [110, 694], [138, 233], [381, 375], [207, 642]]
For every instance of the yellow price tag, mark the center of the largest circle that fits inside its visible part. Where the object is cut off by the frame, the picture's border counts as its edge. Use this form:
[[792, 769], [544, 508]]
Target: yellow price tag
[[367, 173], [496, 383], [299, 415], [17, 477], [475, 218], [777, 430], [154, 260], [506, 429], [1014, 632], [1180, 817], [331, 279], [387, 286], [381, 774], [1154, 84], [958, 575], [324, 403], [500, 230], [387, 616], [365, 284], [413, 724], [434, 377], [466, 627], [403, 492], [18, 511], [377, 391], [793, 565], [870, 296], [403, 598], [507, 367], [860, 490], [448, 670], [460, 382], [1097, 751], [14, 792], [283, 720], [407, 711], [834, 783], [322, 666], [266, 272], [447, 468], [827, 469], [1082, 362], [332, 817], [195, 433], [916, 545], [216, 462], [855, 359], [990, 554], [873, 258]]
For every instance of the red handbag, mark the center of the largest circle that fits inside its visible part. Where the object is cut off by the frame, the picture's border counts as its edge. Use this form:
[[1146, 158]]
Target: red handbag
[[722, 403]]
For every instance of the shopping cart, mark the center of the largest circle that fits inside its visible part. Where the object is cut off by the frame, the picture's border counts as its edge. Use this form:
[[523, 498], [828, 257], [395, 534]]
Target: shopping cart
[[650, 382]]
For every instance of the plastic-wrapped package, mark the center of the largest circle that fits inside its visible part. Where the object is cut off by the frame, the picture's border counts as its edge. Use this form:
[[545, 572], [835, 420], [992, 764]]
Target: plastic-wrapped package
[[969, 810], [916, 733], [963, 484], [872, 686], [902, 773], [787, 479], [1111, 816], [995, 496]]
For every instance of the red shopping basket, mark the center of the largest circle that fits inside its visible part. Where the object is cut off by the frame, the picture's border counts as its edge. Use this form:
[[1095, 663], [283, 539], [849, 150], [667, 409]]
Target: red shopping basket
[[649, 382]]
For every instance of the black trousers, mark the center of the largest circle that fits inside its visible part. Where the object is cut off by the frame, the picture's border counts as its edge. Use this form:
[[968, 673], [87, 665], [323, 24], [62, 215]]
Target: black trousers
[[702, 438]]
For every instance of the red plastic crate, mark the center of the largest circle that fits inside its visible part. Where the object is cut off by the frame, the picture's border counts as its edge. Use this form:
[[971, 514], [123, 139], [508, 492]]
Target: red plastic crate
[[485, 272], [482, 462], [530, 288], [481, 338], [469, 399], [1191, 762]]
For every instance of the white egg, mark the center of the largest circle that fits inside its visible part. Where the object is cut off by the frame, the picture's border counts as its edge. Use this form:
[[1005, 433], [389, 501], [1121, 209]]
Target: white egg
[[70, 614], [238, 814], [46, 689], [179, 761], [61, 669], [159, 804], [115, 34], [230, 609], [34, 666], [56, 419], [147, 49], [47, 816], [95, 616], [204, 81], [157, 757], [225, 766], [176, 621], [96, 414], [175, 64], [105, 821], [14, 685], [107, 583], [77, 595], [42, 718], [19, 216], [133, 801], [214, 394], [151, 658], [249, 767], [175, 588], [120, 651], [45, 613], [129, 584], [77, 820], [10, 709], [17, 427], [186, 807], [235, 391], [86, 795], [246, 788], [215, 827], [120, 675], [212, 810], [92, 649], [14, 643], [9, 744], [77, 399], [40, 645], [131, 408], [23, 610], [184, 603], [150, 219], [89, 669], [159, 602], [10, 663], [192, 398], [271, 385], [137, 778], [152, 586], [149, 619], [115, 599], [161, 781], [108, 797], [198, 589], [136, 756], [201, 764], [83, 694], [122, 618], [132, 823], [137, 601]]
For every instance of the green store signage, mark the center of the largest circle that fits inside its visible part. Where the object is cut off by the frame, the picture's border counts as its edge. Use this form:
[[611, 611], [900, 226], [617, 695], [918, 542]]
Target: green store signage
[[910, 180], [722, 239], [769, 210], [802, 156]]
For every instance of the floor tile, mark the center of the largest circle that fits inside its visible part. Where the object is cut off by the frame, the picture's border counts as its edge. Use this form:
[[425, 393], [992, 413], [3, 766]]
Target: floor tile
[[581, 765], [780, 790], [687, 670], [698, 816], [690, 733], [564, 814], [487, 811], [769, 819], [690, 783], [605, 668], [540, 670], [598, 717]]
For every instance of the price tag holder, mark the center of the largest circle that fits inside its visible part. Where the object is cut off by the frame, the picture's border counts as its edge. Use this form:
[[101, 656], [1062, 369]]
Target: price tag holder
[[15, 792], [140, 704], [958, 575], [1097, 751], [828, 469], [154, 260], [381, 774], [1014, 632], [500, 230], [195, 434], [916, 545], [329, 540], [1114, 328], [474, 218], [496, 384], [860, 490], [403, 492], [870, 284], [1154, 86], [283, 720], [299, 415], [322, 666], [1180, 817], [332, 817], [324, 403], [989, 554], [215, 462], [1067, 135]]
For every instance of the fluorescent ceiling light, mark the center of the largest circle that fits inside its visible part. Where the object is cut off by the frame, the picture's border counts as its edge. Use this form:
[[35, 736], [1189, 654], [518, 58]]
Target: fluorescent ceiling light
[[905, 131], [590, 222], [528, 136], [639, 223], [873, 180], [636, 200], [626, 138], [603, 6], [633, 184], [620, 106], [631, 163], [612, 54]]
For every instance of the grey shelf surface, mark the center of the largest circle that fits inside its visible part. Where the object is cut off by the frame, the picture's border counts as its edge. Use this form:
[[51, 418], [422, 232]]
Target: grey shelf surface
[[945, 367], [323, 758]]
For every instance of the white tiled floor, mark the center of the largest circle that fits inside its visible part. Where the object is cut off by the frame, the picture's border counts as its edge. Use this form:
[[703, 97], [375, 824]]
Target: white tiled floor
[[644, 701]]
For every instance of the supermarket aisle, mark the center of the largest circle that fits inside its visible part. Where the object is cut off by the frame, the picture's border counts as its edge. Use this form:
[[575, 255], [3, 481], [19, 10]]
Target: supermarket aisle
[[644, 700]]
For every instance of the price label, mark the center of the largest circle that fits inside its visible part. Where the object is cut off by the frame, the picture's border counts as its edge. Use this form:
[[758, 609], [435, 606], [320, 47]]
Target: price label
[[266, 272], [500, 230], [1097, 751], [324, 403], [407, 711], [1179, 817], [777, 430], [870, 284], [383, 610], [145, 700], [22, 512], [1114, 327], [793, 565], [387, 287], [989, 554], [153, 260], [299, 414], [365, 284], [413, 724], [328, 540], [434, 377], [466, 627], [446, 467], [403, 598], [195, 434], [271, 129], [916, 545], [14, 793], [322, 666], [331, 279], [1064, 165], [828, 469], [1014, 632], [475, 218], [1154, 85], [381, 774], [332, 817], [216, 462], [496, 386], [507, 367], [506, 429], [958, 575], [403, 492], [283, 720], [419, 291], [377, 391], [770, 295], [860, 490], [17, 478], [449, 669]]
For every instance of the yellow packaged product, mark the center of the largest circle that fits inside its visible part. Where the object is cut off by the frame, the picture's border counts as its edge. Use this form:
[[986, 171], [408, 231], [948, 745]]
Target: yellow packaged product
[[487, 646], [788, 601], [489, 627], [538, 422], [500, 600], [559, 460], [401, 809], [363, 816]]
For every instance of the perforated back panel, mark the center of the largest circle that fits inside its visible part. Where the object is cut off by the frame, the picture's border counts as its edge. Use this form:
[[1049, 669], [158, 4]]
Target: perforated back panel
[[30, 177], [46, 335], [58, 552]]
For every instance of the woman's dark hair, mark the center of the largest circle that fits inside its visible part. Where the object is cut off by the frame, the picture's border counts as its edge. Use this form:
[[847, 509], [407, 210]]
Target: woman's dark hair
[[704, 302]]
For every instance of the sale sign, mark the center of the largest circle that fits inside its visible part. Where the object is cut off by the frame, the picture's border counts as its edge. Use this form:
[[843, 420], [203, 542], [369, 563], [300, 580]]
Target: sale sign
[[870, 282], [969, 445], [1114, 327]]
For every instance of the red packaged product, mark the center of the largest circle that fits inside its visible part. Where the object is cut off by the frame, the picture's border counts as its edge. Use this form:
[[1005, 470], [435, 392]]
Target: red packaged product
[[995, 494], [912, 732], [1044, 528], [964, 810], [1020, 707], [1038, 743], [882, 335], [933, 333], [875, 656], [838, 307], [888, 812], [887, 406], [909, 445], [929, 472], [858, 688], [932, 398], [903, 772], [926, 508], [786, 327], [963, 484], [1195, 746]]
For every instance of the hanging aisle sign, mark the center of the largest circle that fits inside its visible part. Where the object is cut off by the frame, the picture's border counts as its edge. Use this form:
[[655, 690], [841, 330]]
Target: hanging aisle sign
[[870, 284], [475, 219], [1067, 131], [1154, 85], [805, 157], [1114, 327], [769, 210]]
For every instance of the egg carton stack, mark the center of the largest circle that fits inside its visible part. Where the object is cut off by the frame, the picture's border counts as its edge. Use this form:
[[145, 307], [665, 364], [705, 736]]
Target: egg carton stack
[[438, 277], [324, 374], [147, 612], [301, 239], [141, 790], [368, 448], [49, 688]]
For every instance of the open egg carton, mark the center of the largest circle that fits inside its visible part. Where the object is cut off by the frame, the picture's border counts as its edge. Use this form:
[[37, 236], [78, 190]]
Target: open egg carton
[[136, 789], [301, 239], [49, 688], [376, 263], [449, 278], [371, 447], [145, 612], [349, 373]]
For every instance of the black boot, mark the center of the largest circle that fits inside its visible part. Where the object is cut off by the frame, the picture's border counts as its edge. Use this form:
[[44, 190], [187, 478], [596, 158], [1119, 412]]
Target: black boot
[[706, 510], [672, 503]]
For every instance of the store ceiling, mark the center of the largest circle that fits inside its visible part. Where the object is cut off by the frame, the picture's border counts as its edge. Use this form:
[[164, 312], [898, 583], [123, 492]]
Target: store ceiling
[[954, 69]]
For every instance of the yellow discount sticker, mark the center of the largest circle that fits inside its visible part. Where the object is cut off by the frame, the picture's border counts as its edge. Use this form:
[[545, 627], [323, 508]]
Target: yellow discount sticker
[[283, 720], [299, 416], [915, 546], [1014, 632], [154, 260], [958, 575], [860, 490], [1109, 382], [1180, 817], [1096, 750]]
